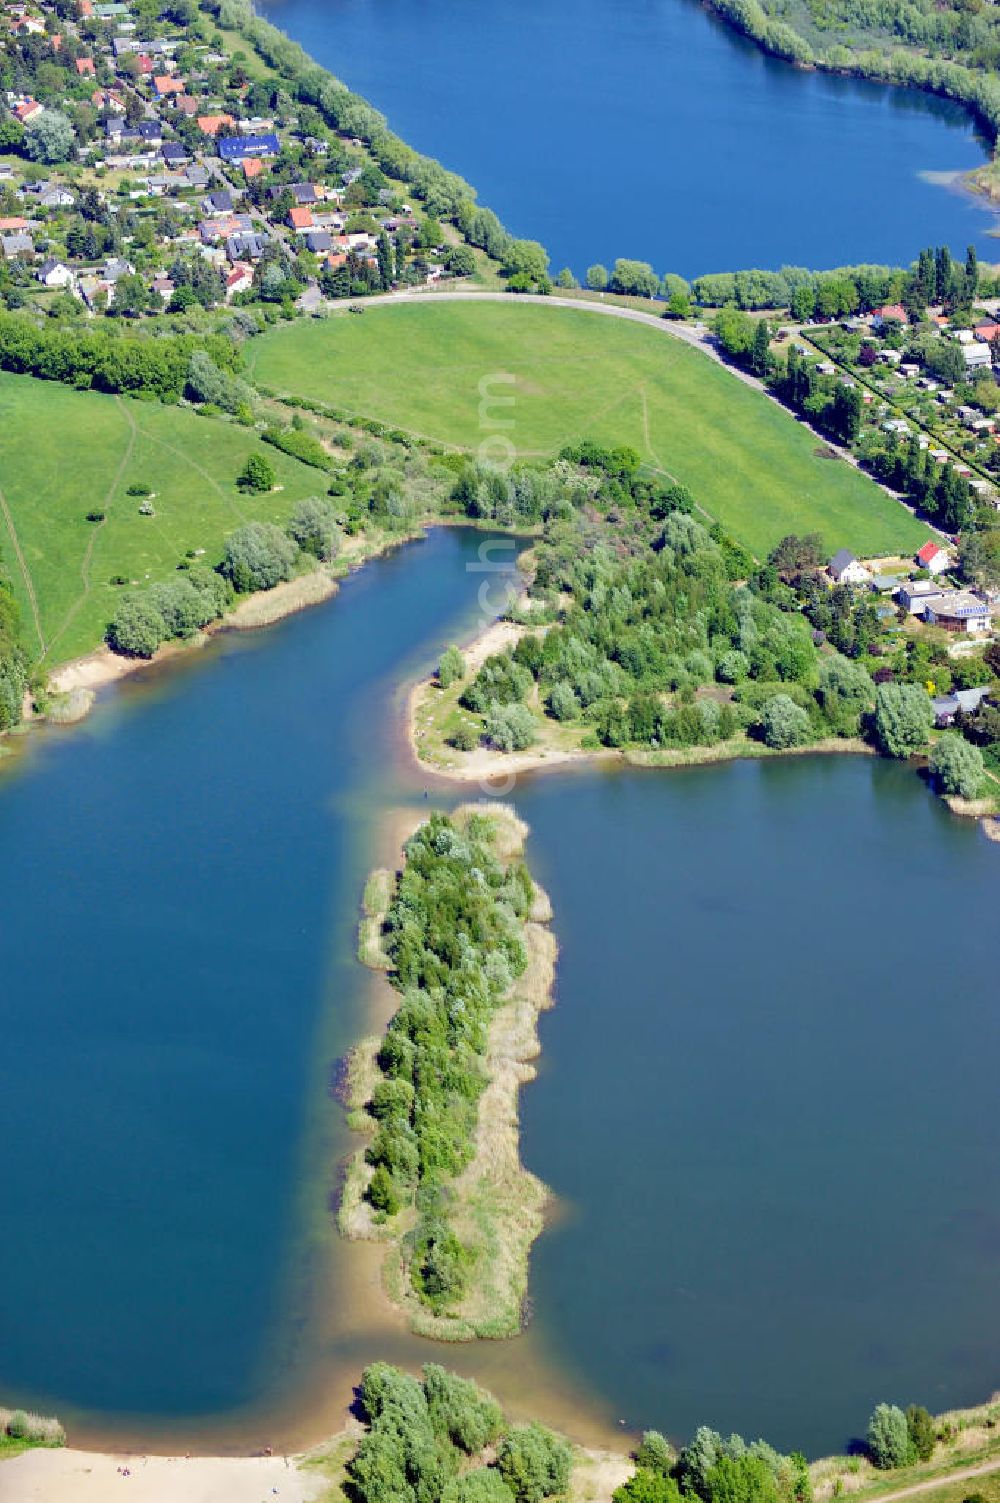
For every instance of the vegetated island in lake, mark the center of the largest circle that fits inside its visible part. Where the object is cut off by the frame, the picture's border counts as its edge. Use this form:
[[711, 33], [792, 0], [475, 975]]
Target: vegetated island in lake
[[648, 634], [462, 933]]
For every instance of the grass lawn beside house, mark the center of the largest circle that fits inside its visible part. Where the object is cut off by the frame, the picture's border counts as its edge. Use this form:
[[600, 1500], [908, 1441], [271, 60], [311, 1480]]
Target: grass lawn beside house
[[750, 464], [64, 453]]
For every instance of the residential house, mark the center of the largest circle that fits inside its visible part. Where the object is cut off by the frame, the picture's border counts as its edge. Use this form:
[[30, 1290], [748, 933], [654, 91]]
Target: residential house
[[964, 701], [148, 132], [174, 154], [915, 594], [55, 273], [210, 125], [27, 110], [17, 246], [220, 226], [300, 218], [246, 245], [117, 267], [85, 67], [844, 568], [237, 149], [933, 558], [11, 224], [55, 196], [976, 356], [218, 203], [163, 287], [890, 314], [108, 99], [303, 193], [239, 279], [166, 85], [318, 241], [958, 610]]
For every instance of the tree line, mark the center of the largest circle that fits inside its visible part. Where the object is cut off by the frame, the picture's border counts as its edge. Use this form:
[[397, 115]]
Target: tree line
[[109, 361], [439, 1438]]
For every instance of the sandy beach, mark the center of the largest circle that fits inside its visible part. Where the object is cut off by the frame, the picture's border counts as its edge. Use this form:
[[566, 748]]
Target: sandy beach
[[66, 1476]]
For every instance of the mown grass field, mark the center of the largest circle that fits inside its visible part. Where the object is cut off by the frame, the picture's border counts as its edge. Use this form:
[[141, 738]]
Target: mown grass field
[[64, 453], [748, 463]]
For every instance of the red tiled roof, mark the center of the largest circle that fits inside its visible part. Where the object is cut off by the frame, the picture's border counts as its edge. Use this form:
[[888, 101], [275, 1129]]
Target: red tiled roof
[[210, 125]]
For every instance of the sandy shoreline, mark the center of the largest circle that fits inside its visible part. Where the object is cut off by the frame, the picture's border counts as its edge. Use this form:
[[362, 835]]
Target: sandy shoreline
[[68, 1476], [96, 670]]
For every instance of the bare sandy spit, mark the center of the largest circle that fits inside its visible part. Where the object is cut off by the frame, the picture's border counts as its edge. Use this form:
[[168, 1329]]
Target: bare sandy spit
[[66, 1476]]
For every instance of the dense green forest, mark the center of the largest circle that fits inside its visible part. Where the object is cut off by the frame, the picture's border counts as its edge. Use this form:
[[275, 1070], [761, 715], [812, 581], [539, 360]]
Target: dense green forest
[[650, 629], [659, 631]]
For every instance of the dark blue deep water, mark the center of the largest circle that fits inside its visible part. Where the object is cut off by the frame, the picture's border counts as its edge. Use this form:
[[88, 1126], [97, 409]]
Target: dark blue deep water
[[647, 128], [766, 1096]]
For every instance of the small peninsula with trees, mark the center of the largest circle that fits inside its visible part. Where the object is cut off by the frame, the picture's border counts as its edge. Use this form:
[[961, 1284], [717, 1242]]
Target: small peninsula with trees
[[648, 634]]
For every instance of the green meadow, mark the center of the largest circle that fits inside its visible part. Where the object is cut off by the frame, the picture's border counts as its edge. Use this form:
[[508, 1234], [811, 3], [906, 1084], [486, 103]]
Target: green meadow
[[65, 453], [751, 465]]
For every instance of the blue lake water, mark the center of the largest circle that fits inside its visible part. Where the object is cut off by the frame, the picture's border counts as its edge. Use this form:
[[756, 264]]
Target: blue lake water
[[765, 1103], [650, 129]]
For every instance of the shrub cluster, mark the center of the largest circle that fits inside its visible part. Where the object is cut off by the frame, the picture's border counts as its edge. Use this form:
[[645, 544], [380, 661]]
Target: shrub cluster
[[257, 557], [175, 608], [34, 1429], [423, 1434]]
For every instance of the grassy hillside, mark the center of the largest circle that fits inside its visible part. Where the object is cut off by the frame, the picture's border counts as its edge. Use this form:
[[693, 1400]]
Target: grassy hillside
[[751, 465], [64, 453]]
